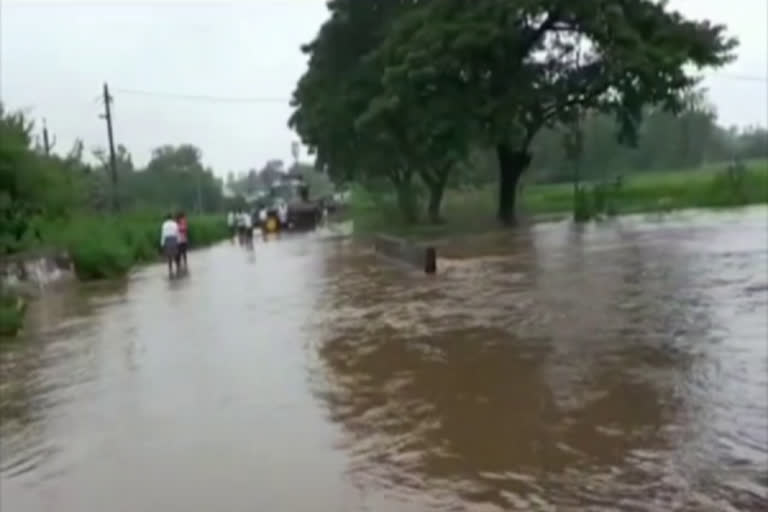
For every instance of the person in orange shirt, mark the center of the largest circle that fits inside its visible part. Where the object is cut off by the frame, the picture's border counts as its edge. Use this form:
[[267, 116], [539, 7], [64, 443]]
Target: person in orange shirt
[[181, 220]]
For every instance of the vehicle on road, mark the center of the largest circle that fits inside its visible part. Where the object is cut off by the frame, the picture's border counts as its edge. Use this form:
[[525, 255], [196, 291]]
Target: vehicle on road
[[288, 208]]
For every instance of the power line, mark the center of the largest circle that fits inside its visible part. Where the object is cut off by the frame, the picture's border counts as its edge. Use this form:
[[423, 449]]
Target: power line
[[204, 97], [743, 78], [275, 99]]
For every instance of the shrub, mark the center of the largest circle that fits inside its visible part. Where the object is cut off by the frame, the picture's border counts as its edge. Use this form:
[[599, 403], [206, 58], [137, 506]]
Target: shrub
[[583, 208], [11, 314], [207, 229], [99, 251], [731, 187], [108, 247]]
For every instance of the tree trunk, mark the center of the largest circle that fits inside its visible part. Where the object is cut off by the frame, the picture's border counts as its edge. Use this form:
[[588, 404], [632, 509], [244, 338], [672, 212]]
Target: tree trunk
[[435, 201], [512, 164], [406, 200], [435, 179]]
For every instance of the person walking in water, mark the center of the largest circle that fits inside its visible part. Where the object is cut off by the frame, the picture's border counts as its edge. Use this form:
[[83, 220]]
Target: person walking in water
[[231, 224], [181, 257], [169, 241], [240, 226], [247, 228]]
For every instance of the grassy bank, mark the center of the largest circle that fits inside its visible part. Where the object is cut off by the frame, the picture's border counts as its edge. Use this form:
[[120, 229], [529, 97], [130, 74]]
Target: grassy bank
[[473, 210], [11, 314], [108, 247]]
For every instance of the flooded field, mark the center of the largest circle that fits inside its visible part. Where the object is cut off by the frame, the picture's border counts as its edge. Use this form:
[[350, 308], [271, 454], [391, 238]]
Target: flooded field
[[614, 367]]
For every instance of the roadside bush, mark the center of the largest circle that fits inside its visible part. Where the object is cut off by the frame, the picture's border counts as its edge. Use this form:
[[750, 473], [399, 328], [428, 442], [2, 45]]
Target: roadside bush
[[206, 230], [731, 187], [99, 250], [11, 314], [108, 247], [583, 207], [373, 211]]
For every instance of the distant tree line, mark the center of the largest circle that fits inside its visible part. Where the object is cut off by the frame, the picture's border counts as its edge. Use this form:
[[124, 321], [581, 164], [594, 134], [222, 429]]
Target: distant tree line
[[174, 178], [665, 142]]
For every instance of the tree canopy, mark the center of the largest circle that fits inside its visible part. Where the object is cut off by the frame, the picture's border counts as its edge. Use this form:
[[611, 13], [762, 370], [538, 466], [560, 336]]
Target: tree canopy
[[401, 89], [35, 185], [175, 176], [332, 97]]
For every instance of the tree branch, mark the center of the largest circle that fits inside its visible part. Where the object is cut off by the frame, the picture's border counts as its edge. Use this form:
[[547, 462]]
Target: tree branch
[[533, 38], [436, 175], [589, 91]]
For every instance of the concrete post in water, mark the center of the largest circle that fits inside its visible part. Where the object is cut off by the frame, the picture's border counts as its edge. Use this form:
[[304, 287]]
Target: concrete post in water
[[430, 261], [415, 254]]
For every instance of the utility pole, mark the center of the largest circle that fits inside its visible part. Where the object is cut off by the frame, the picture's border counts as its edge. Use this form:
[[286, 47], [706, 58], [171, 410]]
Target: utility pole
[[107, 115], [46, 140]]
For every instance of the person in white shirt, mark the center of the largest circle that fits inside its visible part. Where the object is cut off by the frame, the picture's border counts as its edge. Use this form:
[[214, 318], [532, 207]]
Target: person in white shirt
[[169, 241], [240, 225], [247, 227], [282, 213], [231, 224]]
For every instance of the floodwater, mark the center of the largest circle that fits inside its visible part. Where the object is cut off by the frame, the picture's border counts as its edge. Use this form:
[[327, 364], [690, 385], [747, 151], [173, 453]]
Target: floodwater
[[615, 367]]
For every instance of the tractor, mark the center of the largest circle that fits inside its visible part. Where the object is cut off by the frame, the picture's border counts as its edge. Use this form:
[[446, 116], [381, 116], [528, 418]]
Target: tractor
[[288, 208]]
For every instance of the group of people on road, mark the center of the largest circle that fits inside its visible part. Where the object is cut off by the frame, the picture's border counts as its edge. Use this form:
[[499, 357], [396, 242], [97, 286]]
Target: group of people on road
[[174, 241], [240, 224]]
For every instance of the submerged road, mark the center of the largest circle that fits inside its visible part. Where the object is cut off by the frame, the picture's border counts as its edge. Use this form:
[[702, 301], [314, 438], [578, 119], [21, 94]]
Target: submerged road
[[620, 367]]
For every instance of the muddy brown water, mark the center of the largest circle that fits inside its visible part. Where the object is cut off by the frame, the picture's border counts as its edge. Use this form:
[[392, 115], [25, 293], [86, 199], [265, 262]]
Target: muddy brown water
[[615, 367]]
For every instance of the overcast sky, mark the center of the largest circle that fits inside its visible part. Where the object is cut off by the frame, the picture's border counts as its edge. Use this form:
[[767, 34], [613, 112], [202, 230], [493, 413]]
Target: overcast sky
[[55, 55]]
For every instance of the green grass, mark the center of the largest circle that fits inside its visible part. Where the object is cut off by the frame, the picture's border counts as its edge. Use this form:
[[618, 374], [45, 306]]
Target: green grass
[[700, 188], [11, 315], [109, 246], [471, 211]]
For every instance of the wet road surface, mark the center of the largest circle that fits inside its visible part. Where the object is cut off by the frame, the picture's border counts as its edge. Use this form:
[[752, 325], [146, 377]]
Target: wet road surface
[[620, 367]]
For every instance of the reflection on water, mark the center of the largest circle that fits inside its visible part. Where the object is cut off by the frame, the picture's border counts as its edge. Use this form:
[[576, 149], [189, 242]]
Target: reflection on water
[[621, 366], [32, 371]]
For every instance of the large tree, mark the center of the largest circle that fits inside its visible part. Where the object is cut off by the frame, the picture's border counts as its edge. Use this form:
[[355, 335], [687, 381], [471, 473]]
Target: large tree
[[428, 137], [332, 99], [512, 68]]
